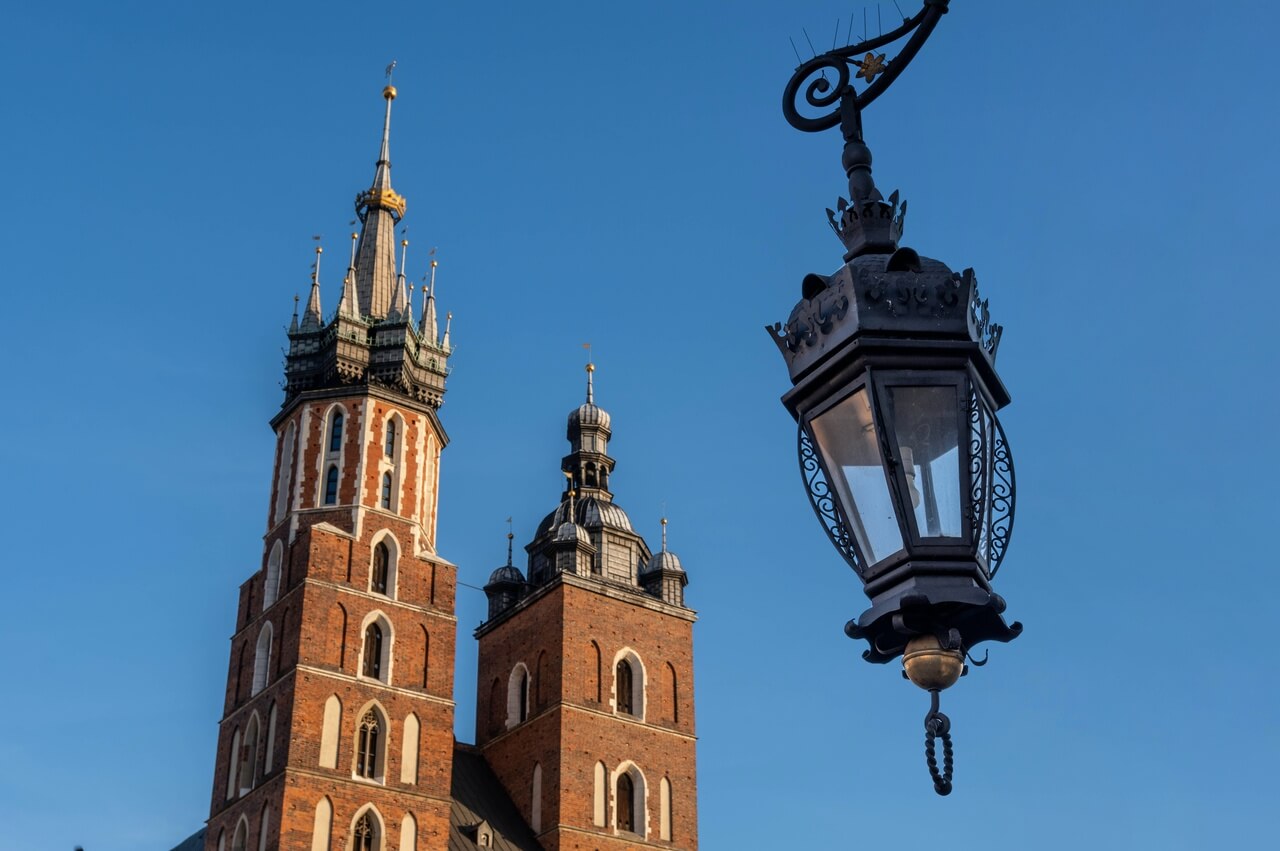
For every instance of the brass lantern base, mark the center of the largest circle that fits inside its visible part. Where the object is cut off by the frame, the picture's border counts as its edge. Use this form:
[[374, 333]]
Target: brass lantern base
[[931, 666]]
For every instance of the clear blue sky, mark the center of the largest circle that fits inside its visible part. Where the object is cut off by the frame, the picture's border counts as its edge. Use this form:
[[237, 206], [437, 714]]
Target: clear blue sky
[[622, 174]]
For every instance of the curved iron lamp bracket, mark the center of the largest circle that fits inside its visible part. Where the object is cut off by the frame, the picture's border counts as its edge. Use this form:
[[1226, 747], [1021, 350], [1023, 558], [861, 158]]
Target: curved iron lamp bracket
[[844, 102]]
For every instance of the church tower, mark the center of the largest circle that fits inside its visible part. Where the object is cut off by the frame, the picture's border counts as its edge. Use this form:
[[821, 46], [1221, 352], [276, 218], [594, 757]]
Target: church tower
[[585, 684], [337, 730]]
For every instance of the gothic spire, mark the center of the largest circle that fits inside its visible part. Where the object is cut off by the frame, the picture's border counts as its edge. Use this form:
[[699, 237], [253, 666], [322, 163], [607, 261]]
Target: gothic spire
[[428, 327], [311, 319], [380, 208], [399, 302]]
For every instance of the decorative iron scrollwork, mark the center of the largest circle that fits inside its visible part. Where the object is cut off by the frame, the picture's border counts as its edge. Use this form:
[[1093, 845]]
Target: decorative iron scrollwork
[[824, 504], [991, 496], [825, 96]]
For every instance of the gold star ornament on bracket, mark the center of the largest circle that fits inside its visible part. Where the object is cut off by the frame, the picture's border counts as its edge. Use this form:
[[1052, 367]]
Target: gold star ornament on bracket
[[870, 66]]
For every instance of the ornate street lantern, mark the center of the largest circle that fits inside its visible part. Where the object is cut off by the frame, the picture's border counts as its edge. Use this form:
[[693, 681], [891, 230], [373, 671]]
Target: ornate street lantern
[[895, 391]]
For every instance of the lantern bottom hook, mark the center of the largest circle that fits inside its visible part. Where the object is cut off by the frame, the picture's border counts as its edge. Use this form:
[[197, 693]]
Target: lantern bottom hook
[[938, 726]]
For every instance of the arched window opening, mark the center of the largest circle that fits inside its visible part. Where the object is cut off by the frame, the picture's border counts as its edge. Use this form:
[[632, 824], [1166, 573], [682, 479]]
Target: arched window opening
[[542, 688], [426, 656], [391, 439], [593, 685], [381, 560], [408, 833], [284, 476], [338, 620], [322, 825], [517, 695], [589, 479], [248, 755], [386, 491], [234, 763], [271, 582], [367, 750], [664, 803], [366, 833], [599, 801], [535, 806], [626, 803], [675, 694], [626, 703], [331, 485], [241, 837], [262, 659], [269, 760], [335, 432], [329, 732], [264, 827], [373, 651], [409, 750]]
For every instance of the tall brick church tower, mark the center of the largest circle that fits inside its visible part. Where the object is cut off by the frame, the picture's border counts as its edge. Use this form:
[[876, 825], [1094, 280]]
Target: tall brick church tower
[[337, 730], [337, 725], [585, 686]]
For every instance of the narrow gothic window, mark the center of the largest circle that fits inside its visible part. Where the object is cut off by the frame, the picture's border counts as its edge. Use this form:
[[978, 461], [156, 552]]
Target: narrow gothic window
[[625, 703], [335, 433], [367, 753], [523, 711], [386, 490], [391, 438], [381, 558], [365, 834], [626, 803], [331, 485], [373, 651]]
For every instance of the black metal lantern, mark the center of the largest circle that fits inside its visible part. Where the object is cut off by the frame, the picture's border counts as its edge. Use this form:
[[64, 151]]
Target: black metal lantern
[[895, 391]]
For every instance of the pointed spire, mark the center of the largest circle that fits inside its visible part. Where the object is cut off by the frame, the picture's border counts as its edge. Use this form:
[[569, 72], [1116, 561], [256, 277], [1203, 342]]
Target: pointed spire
[[399, 303], [664, 534], [348, 306], [428, 327], [444, 341], [311, 319], [591, 395], [408, 311], [510, 537], [380, 209], [293, 325]]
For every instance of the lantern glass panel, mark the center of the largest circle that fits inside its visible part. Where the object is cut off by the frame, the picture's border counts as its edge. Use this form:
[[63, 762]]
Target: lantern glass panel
[[846, 436], [927, 431]]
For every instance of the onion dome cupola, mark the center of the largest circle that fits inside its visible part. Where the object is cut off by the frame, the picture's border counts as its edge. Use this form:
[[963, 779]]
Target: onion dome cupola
[[664, 576], [588, 464], [570, 549], [506, 585]]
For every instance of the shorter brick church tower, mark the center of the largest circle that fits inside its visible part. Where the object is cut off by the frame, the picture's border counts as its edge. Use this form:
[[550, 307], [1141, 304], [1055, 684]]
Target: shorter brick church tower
[[585, 685]]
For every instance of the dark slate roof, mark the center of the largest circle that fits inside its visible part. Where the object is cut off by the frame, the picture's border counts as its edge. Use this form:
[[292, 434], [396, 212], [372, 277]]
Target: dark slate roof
[[478, 796], [194, 842]]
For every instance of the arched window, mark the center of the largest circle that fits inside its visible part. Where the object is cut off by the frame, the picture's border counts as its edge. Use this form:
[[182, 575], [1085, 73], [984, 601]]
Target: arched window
[[391, 439], [367, 762], [284, 475], [626, 803], [241, 838], [517, 695], [373, 651], [535, 805], [626, 703], [234, 763], [675, 694], [386, 491], [409, 750], [408, 833], [381, 559], [367, 833], [593, 673], [271, 582], [268, 761], [262, 659], [331, 485], [599, 801], [263, 827], [426, 656], [322, 825], [248, 755], [335, 432], [664, 804], [329, 732]]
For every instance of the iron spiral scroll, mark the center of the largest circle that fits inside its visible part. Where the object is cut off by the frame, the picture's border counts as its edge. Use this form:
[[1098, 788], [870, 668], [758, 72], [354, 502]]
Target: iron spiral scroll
[[823, 95], [824, 504]]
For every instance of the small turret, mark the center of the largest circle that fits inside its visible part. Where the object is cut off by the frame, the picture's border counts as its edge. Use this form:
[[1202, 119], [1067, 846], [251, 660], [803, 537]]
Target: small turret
[[506, 585], [664, 576]]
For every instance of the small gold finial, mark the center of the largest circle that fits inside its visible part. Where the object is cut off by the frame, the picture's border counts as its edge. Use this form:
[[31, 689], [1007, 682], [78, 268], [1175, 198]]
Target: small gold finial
[[404, 242], [355, 236], [319, 250], [591, 367], [434, 264], [389, 93]]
